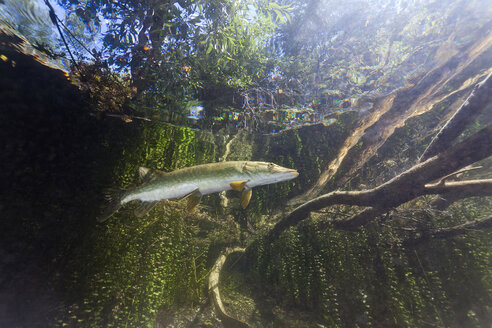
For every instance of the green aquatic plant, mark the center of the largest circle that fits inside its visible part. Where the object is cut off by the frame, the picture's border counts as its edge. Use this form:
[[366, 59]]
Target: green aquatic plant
[[139, 267]]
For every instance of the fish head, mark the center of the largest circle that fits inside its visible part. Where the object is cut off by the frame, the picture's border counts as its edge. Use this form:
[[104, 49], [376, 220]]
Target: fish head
[[263, 173]]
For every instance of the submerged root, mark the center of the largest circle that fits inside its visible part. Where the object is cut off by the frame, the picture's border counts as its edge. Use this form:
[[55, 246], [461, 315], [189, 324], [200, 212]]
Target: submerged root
[[213, 289]]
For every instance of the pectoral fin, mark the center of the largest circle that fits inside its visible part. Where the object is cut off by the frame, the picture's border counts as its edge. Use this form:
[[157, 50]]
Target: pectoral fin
[[193, 199], [144, 208], [246, 197], [238, 185]]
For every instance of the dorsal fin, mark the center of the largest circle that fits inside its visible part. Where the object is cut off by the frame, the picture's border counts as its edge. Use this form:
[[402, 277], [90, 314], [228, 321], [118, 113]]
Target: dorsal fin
[[146, 175]]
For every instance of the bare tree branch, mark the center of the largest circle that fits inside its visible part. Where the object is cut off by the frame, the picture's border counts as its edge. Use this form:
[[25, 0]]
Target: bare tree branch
[[401, 189], [449, 190], [479, 99], [465, 188], [453, 191], [485, 223], [457, 173]]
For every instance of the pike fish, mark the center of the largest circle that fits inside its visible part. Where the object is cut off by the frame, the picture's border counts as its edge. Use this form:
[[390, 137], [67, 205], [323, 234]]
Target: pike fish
[[194, 182]]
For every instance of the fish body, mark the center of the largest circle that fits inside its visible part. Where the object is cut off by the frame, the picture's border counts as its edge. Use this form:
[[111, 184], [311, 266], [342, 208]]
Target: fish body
[[196, 181]]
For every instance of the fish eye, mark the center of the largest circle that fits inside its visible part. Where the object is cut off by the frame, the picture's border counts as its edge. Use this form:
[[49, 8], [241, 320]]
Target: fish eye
[[271, 165]]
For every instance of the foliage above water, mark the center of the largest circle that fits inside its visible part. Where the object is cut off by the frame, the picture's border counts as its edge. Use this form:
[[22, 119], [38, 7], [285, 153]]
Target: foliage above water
[[181, 50], [266, 65]]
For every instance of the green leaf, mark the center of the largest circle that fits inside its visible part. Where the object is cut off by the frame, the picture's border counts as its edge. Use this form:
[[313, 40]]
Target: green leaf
[[210, 48]]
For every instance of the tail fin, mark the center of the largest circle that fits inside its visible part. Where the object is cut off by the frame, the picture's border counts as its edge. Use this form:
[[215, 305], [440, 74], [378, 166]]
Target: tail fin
[[112, 203]]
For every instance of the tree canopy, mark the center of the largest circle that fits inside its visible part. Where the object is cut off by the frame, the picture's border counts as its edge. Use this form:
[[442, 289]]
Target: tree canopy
[[184, 50], [267, 64]]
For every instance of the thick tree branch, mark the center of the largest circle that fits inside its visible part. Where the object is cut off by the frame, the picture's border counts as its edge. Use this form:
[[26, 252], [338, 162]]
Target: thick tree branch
[[449, 190], [479, 99], [453, 191], [481, 224], [401, 189], [465, 188]]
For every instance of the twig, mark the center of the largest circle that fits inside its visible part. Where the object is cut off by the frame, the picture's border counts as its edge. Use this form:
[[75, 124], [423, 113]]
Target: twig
[[75, 38], [54, 20], [128, 118], [465, 169]]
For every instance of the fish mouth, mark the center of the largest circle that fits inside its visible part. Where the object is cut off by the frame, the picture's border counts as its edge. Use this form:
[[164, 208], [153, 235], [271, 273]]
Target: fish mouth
[[293, 172], [282, 170]]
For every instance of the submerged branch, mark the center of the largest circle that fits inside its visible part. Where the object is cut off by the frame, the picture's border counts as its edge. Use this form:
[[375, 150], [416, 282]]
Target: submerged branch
[[479, 99], [213, 289], [449, 190], [454, 191], [403, 188], [466, 189], [457, 173], [485, 223]]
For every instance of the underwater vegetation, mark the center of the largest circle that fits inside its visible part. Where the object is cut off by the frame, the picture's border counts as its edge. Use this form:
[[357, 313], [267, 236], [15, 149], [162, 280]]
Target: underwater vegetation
[[383, 112]]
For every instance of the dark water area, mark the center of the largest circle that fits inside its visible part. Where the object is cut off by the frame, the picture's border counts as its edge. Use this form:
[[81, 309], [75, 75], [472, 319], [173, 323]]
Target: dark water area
[[421, 262], [51, 152]]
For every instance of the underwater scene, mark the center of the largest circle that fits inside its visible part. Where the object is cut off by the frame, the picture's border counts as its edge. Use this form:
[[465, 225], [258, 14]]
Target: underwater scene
[[245, 163]]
